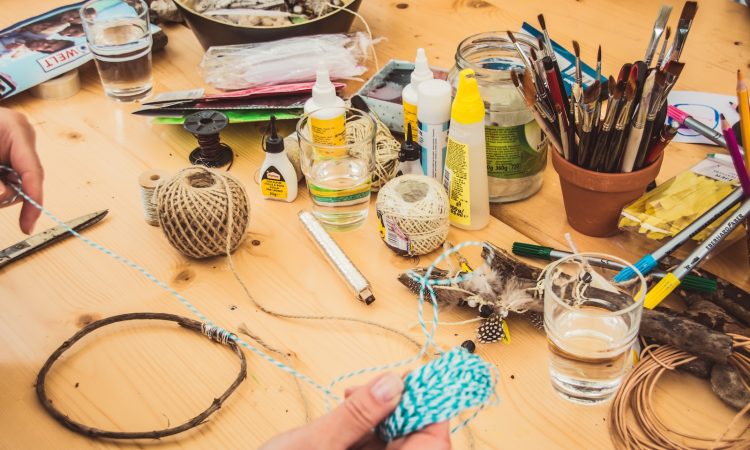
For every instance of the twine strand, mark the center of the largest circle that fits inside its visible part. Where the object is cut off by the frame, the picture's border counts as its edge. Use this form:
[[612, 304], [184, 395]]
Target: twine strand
[[457, 371]]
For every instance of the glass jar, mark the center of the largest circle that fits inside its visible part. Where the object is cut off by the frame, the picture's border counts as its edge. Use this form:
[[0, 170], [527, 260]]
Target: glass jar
[[516, 146]]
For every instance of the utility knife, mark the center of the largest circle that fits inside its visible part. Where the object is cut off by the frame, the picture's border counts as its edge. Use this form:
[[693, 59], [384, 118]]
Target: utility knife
[[47, 237]]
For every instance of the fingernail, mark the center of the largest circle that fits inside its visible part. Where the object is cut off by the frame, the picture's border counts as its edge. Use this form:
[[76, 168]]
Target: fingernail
[[387, 388]]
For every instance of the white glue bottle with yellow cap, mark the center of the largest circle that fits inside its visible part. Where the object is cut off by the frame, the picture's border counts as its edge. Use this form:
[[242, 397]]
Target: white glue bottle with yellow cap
[[409, 97], [327, 121], [465, 173]]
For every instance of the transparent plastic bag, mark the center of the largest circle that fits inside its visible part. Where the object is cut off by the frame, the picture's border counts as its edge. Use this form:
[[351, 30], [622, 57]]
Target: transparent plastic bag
[[666, 210], [289, 60]]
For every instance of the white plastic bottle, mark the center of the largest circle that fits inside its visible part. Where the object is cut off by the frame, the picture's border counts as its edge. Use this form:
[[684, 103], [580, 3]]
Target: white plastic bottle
[[278, 180], [327, 126], [433, 118], [409, 96], [465, 174]]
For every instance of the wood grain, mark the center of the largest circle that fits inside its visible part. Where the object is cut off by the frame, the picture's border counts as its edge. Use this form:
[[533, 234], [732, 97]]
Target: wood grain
[[137, 376]]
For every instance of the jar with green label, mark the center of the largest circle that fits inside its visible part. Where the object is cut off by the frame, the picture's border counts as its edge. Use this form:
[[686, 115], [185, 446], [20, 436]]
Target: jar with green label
[[516, 146]]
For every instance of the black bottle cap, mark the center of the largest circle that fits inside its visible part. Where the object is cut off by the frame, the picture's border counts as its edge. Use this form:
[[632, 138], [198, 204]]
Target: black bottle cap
[[409, 151], [273, 143]]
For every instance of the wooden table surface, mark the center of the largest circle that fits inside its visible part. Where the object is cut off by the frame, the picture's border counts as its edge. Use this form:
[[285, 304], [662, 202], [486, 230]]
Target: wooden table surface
[[147, 376]]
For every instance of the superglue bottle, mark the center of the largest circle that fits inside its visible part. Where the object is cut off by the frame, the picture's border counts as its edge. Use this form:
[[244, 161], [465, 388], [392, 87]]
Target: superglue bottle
[[433, 117], [409, 97], [278, 180], [408, 156], [328, 125], [465, 174]]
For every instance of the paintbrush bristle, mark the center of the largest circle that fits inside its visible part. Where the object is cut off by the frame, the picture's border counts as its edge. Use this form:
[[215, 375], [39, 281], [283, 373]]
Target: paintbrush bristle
[[624, 72], [611, 85], [674, 68], [514, 77], [599, 55], [533, 54], [511, 36], [540, 44], [667, 33], [631, 87], [689, 10], [540, 18], [576, 49], [591, 94], [619, 90]]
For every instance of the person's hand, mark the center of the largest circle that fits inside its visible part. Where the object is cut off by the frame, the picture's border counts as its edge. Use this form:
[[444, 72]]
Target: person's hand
[[17, 150], [350, 425]]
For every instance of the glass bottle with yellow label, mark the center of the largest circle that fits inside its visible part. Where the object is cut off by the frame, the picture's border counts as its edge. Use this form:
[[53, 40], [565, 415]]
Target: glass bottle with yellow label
[[516, 146]]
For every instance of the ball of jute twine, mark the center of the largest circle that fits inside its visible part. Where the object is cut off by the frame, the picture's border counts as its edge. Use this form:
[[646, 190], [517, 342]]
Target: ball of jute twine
[[416, 206], [386, 150], [203, 212]]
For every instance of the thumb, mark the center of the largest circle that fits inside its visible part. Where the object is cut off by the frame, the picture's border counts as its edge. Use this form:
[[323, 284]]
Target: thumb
[[364, 409]]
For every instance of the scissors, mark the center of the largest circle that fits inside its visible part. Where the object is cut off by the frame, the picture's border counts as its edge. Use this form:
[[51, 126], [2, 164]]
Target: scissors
[[47, 237]]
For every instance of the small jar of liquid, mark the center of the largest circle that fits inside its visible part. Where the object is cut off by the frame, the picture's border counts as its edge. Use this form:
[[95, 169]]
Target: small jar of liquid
[[516, 147]]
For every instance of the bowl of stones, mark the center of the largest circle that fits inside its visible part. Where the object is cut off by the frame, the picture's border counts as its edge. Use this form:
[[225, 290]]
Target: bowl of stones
[[228, 22]]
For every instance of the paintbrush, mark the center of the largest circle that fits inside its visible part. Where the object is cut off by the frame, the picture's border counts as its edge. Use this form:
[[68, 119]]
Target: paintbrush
[[661, 21], [542, 46], [555, 65], [531, 89], [656, 93], [598, 63], [683, 28], [589, 109], [636, 132], [672, 70], [623, 119], [616, 91], [668, 132], [541, 93], [529, 98], [564, 133], [663, 50], [557, 100]]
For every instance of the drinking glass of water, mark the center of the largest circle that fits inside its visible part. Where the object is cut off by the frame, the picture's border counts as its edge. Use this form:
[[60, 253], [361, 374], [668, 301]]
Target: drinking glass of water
[[591, 324], [118, 36], [337, 154]]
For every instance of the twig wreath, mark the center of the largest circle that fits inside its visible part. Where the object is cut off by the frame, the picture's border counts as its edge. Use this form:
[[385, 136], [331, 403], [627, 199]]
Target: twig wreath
[[211, 332]]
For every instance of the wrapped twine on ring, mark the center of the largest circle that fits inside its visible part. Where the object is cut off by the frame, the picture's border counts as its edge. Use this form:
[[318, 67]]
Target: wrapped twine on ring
[[203, 212], [413, 214]]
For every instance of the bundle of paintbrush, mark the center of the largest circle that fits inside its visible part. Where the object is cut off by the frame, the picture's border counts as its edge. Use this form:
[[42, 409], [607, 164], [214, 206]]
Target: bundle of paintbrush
[[628, 132]]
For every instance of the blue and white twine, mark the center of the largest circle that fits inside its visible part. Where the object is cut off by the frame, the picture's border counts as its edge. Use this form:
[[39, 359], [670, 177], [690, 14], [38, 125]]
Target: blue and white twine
[[435, 392]]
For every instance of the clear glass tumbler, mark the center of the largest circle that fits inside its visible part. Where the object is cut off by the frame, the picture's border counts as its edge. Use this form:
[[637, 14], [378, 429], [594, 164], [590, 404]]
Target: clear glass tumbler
[[338, 175], [118, 36], [591, 324]]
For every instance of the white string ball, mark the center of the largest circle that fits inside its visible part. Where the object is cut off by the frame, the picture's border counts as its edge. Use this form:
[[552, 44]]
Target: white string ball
[[203, 212], [413, 214]]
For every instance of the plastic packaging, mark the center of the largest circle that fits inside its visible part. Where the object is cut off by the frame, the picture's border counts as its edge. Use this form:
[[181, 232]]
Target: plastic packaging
[[285, 61], [433, 118], [278, 178], [465, 174], [666, 210], [327, 125], [409, 95]]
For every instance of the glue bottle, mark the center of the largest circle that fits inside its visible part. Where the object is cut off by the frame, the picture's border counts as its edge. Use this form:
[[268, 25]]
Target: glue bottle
[[408, 156], [327, 125], [278, 180], [409, 97], [433, 118], [465, 174]]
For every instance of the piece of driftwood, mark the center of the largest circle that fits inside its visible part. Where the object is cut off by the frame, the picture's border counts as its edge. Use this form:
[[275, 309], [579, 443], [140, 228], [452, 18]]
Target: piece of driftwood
[[729, 297], [711, 315], [680, 332], [726, 382]]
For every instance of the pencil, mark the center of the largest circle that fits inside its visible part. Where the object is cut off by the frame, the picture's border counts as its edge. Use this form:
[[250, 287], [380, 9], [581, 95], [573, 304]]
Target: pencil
[[734, 151], [744, 108]]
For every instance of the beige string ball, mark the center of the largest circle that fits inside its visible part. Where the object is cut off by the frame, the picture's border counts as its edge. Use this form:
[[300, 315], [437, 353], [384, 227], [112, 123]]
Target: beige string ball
[[412, 212], [386, 150], [203, 212]]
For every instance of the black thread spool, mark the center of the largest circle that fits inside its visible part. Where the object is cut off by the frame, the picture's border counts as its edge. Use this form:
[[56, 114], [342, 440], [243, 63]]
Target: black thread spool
[[205, 126]]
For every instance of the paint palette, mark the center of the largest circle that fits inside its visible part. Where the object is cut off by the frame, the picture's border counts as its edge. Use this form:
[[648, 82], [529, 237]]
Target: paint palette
[[382, 92]]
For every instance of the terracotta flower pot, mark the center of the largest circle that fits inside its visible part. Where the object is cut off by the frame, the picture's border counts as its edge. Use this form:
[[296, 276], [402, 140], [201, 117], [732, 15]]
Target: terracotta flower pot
[[593, 200]]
